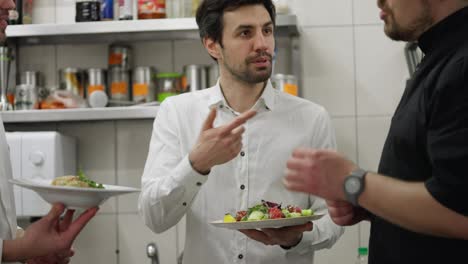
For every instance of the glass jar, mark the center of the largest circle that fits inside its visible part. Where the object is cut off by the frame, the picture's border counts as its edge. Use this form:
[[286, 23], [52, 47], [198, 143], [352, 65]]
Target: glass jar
[[149, 9], [169, 84]]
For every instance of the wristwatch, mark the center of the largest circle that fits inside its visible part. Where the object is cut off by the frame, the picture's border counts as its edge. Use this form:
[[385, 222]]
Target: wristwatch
[[354, 185]]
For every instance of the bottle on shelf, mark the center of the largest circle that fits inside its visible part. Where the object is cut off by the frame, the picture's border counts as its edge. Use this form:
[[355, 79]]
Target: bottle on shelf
[[362, 256]]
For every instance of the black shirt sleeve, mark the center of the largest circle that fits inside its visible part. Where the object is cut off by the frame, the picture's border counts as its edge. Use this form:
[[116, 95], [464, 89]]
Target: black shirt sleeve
[[447, 138]]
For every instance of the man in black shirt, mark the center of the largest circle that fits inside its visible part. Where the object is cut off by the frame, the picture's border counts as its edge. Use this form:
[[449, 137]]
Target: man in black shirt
[[418, 201]]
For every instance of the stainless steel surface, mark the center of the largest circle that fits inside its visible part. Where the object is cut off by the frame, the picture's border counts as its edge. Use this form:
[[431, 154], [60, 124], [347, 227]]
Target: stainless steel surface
[[144, 86], [5, 60], [413, 57], [96, 80], [30, 77], [145, 29], [79, 115], [196, 77], [152, 253]]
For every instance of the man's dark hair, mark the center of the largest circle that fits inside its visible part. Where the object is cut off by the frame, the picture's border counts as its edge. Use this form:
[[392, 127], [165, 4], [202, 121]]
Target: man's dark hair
[[210, 15]]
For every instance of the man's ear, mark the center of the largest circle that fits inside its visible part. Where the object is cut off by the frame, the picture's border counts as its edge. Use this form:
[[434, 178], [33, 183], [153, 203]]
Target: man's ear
[[212, 47]]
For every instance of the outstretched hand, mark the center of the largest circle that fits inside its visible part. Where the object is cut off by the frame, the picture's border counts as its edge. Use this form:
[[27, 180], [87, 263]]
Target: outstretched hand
[[51, 238]]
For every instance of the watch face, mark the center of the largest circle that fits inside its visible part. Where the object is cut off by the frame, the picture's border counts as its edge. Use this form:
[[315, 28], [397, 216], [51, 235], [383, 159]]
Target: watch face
[[352, 185]]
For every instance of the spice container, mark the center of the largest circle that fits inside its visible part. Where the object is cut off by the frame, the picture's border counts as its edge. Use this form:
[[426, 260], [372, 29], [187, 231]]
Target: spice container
[[169, 84], [144, 88]]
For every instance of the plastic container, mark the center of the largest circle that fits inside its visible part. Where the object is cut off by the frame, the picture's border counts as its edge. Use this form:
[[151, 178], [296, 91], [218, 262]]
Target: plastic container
[[169, 84], [362, 256]]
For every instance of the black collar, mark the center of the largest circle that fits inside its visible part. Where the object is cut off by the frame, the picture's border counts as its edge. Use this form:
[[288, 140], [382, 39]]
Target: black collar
[[446, 34]]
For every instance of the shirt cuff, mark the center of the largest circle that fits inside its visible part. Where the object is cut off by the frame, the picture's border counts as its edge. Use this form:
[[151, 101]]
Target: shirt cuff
[[189, 177]]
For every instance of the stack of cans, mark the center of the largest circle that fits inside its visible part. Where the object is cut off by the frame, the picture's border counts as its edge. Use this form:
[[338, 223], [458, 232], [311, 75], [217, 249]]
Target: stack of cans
[[120, 60]]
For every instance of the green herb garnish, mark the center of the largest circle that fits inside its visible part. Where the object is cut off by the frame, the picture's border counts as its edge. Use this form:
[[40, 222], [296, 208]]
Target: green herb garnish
[[91, 183]]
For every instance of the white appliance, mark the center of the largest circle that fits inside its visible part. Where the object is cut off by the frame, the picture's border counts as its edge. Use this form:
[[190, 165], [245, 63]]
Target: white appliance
[[43, 155]]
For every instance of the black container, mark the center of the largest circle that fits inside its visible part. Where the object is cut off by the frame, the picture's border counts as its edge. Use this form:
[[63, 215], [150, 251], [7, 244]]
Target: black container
[[87, 11]]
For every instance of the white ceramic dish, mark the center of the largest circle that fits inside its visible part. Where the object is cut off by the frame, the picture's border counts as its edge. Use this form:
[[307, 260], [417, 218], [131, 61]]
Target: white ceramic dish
[[269, 223], [72, 197]]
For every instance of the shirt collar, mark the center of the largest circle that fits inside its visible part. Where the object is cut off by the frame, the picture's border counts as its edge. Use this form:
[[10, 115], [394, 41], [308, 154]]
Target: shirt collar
[[447, 33], [266, 102]]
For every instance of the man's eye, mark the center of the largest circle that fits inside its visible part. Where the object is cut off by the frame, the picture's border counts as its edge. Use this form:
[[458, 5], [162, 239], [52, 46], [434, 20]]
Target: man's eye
[[245, 33], [268, 31]]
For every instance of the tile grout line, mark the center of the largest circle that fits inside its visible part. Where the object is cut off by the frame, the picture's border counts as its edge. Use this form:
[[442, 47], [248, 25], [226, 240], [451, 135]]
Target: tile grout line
[[353, 14]]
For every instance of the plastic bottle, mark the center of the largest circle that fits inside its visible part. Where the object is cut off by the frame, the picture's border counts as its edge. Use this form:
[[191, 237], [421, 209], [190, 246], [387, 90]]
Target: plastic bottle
[[362, 256]]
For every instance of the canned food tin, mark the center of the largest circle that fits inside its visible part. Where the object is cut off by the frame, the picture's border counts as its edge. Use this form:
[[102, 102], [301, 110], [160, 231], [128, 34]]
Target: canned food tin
[[119, 84], [96, 80], [73, 80], [144, 88], [26, 97], [120, 56], [285, 83], [195, 77]]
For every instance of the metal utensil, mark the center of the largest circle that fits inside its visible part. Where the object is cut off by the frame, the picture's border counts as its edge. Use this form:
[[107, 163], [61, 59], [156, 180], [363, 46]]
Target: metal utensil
[[152, 253]]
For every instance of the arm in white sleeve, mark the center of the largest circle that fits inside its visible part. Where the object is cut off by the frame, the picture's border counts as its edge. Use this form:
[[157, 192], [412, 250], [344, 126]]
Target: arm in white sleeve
[[169, 183]]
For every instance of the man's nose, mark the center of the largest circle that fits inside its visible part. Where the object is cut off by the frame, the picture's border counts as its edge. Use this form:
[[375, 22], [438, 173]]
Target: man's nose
[[260, 42]]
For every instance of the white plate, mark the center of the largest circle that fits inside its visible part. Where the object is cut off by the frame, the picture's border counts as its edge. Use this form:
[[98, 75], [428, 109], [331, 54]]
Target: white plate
[[72, 197], [269, 223]]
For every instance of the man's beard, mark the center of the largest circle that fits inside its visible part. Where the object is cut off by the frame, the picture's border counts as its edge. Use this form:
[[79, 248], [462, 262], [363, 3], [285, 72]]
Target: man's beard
[[248, 76], [412, 32]]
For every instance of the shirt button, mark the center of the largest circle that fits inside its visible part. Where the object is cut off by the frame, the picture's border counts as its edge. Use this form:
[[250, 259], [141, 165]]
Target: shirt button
[[221, 106], [184, 204], [240, 256], [242, 153], [199, 184], [242, 187]]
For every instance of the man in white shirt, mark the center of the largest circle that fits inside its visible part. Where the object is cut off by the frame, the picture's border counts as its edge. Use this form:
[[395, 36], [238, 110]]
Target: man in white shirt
[[47, 241], [224, 149]]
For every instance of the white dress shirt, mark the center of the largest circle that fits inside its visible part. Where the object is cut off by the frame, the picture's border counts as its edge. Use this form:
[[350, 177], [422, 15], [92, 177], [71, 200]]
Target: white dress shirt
[[8, 226], [172, 189]]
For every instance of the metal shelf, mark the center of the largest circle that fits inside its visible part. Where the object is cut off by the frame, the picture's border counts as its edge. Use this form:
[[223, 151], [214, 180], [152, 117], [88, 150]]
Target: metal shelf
[[125, 30], [84, 114]]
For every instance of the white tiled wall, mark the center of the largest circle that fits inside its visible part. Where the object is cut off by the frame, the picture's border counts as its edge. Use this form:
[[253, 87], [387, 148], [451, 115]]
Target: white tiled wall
[[349, 66]]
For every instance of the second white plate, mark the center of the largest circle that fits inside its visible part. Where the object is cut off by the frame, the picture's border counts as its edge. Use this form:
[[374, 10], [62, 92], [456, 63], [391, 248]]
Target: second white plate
[[269, 223]]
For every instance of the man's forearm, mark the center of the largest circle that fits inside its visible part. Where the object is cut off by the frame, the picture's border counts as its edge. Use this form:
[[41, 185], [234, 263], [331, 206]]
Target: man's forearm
[[411, 206]]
